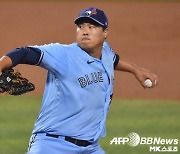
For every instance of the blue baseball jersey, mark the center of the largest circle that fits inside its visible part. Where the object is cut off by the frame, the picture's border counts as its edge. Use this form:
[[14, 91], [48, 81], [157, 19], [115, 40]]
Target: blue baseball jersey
[[77, 92]]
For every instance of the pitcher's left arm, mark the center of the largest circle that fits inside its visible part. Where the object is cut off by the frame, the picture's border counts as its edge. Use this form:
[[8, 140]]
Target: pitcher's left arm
[[140, 73]]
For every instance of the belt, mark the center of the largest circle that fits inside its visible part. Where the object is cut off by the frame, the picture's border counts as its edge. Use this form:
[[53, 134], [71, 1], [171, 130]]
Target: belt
[[78, 142]]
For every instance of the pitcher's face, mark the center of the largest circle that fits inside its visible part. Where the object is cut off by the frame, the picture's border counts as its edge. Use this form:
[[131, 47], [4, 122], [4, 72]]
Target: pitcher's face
[[90, 36]]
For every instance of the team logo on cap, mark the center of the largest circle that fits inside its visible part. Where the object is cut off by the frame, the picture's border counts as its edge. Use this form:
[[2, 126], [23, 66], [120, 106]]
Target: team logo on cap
[[91, 12]]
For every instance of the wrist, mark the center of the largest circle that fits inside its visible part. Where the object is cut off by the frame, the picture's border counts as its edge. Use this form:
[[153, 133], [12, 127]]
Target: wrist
[[5, 62], [135, 69]]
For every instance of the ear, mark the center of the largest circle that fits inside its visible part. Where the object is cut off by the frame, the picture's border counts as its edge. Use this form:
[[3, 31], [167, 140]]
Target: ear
[[105, 33]]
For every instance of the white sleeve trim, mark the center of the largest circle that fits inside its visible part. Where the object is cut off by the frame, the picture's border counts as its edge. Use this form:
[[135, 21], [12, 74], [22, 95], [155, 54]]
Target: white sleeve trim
[[40, 59]]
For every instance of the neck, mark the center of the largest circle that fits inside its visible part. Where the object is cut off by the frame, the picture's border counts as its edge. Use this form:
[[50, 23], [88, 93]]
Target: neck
[[96, 53]]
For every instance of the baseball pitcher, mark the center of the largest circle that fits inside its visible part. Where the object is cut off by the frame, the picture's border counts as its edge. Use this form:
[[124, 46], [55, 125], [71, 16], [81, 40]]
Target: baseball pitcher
[[79, 86]]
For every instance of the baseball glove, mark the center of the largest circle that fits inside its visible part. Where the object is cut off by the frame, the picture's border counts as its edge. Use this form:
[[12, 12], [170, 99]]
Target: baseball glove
[[13, 83]]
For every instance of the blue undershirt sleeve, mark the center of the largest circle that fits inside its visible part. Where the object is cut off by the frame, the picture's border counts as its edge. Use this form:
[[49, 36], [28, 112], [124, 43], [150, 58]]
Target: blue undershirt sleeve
[[25, 55], [116, 60]]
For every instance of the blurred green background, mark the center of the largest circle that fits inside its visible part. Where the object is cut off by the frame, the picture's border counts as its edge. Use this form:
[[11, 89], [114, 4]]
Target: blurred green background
[[148, 118]]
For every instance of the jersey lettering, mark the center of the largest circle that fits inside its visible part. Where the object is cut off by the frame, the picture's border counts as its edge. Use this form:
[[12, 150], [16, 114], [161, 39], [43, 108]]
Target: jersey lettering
[[89, 79]]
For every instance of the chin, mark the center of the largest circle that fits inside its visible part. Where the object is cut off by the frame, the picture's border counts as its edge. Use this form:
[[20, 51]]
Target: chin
[[85, 47]]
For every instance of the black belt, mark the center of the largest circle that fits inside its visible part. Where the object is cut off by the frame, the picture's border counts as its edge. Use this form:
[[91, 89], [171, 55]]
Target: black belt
[[78, 142]]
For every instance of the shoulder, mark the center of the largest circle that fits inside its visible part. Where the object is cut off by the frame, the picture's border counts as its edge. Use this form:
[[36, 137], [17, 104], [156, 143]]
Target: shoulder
[[107, 48], [106, 45], [54, 47], [67, 47]]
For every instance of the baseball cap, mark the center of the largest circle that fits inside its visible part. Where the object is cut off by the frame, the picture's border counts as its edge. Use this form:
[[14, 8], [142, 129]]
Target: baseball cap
[[94, 14]]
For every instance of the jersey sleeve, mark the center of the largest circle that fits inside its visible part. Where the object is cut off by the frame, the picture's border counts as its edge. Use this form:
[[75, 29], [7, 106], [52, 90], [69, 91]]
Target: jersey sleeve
[[116, 60], [54, 57]]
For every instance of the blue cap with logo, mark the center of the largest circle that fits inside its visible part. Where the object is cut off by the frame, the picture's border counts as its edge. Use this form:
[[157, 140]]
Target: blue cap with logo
[[94, 14]]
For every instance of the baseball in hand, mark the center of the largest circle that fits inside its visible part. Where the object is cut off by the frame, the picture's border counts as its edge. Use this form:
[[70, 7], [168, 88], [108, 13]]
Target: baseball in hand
[[148, 83]]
